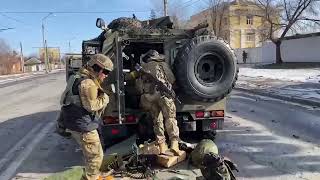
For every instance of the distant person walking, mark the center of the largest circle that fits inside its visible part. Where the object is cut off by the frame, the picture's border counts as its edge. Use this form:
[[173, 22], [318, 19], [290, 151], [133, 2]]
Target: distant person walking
[[244, 57]]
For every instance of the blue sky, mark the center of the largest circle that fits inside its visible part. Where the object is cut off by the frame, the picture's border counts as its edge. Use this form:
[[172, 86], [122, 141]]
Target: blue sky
[[60, 28]]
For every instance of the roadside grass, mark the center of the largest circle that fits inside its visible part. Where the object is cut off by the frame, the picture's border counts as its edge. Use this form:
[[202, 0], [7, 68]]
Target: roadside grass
[[74, 173]]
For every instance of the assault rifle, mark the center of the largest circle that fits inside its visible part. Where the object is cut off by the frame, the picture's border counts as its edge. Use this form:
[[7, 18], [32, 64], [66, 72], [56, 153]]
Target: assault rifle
[[164, 88]]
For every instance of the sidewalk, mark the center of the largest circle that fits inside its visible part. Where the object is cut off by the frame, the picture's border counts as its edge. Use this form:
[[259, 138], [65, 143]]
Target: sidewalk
[[296, 85], [17, 77]]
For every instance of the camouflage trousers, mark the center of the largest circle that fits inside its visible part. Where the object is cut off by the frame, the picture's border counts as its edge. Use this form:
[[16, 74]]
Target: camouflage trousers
[[163, 111], [92, 152]]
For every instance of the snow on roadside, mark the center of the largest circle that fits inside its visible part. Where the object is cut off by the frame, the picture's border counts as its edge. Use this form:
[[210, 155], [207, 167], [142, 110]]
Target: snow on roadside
[[300, 75], [16, 77]]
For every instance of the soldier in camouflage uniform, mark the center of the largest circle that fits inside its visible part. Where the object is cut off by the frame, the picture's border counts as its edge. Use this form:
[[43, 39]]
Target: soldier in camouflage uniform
[[161, 107], [82, 104]]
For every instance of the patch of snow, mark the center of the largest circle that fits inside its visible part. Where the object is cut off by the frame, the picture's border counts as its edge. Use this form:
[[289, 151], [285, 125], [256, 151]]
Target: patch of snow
[[300, 75], [16, 77]]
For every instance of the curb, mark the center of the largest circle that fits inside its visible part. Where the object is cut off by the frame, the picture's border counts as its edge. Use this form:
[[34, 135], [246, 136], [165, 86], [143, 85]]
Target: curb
[[29, 78], [281, 97]]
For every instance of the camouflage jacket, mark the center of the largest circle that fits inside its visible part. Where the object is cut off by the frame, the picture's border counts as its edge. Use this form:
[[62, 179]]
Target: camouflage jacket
[[83, 115]]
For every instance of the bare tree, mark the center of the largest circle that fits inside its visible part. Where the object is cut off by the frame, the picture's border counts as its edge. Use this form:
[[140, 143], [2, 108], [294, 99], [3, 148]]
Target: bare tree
[[153, 14], [176, 8], [8, 57], [217, 12], [294, 15]]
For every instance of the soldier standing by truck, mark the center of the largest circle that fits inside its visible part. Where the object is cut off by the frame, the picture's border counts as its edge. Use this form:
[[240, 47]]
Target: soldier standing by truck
[[82, 104], [161, 107]]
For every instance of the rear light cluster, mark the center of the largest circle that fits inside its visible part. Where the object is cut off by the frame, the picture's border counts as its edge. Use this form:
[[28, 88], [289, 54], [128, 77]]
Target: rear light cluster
[[207, 114], [114, 120]]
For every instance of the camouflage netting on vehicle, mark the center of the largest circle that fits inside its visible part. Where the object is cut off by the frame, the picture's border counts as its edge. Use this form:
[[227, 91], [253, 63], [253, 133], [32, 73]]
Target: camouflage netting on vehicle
[[125, 23]]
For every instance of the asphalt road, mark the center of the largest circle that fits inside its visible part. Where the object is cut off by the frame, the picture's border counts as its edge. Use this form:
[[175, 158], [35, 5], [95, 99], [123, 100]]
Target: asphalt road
[[268, 139]]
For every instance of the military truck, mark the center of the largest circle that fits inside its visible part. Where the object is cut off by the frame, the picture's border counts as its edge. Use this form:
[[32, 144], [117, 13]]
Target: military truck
[[73, 63], [204, 65]]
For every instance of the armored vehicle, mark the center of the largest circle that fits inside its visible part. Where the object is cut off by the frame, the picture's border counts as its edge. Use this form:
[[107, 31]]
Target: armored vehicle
[[204, 65]]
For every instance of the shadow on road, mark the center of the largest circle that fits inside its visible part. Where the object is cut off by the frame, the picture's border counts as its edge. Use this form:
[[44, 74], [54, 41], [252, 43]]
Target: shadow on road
[[52, 154], [264, 152], [265, 146]]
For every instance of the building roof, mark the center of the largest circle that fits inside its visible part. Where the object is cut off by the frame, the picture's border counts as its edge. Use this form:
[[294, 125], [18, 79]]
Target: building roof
[[32, 61]]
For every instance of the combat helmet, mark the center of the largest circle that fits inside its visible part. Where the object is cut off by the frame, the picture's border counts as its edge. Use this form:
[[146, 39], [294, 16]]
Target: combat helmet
[[152, 55], [102, 61]]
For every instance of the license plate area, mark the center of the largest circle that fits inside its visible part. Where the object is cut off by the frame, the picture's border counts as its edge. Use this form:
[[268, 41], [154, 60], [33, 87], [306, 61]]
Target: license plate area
[[212, 124]]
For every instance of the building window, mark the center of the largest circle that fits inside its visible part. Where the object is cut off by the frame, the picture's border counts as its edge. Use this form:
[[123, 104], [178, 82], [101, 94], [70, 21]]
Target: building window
[[249, 20], [250, 37]]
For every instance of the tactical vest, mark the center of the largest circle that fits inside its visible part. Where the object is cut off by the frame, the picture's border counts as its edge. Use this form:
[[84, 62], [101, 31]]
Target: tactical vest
[[69, 96], [75, 116]]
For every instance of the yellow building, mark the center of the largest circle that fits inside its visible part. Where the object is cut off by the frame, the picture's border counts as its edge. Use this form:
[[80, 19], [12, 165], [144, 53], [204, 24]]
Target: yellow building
[[242, 23]]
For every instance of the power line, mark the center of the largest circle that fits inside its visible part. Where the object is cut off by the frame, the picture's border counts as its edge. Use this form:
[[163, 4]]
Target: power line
[[71, 12], [191, 3], [5, 29], [181, 5], [12, 18]]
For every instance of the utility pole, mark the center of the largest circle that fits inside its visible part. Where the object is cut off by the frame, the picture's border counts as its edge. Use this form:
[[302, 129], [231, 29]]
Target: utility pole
[[165, 7], [69, 46], [21, 58], [44, 49], [47, 57], [45, 43]]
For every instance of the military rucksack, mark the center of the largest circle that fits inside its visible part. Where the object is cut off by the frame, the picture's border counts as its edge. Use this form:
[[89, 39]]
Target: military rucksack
[[205, 146], [213, 166]]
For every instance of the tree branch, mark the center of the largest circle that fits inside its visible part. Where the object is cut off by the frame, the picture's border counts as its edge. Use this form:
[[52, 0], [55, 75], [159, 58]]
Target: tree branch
[[308, 19], [286, 9]]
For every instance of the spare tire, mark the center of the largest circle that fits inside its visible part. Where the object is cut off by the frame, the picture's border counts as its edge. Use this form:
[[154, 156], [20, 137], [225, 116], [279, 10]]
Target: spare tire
[[206, 68]]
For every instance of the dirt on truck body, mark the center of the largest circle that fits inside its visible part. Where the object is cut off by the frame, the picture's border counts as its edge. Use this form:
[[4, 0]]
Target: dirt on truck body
[[204, 66]]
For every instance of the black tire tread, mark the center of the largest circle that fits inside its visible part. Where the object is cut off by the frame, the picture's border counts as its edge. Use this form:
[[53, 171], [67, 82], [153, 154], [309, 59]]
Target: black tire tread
[[183, 78]]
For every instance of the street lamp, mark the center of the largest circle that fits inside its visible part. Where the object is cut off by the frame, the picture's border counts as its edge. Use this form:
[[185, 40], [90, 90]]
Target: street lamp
[[44, 43]]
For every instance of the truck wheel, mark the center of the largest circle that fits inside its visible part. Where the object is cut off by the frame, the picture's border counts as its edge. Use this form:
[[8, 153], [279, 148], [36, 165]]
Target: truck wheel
[[206, 68]]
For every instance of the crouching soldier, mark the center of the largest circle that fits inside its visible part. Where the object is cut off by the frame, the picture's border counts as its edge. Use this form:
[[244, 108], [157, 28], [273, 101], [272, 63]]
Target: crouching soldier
[[82, 104]]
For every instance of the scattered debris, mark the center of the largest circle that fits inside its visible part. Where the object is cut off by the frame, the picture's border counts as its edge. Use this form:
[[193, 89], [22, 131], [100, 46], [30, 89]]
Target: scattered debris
[[252, 110], [234, 111], [248, 130], [229, 117], [295, 136], [237, 124], [274, 121]]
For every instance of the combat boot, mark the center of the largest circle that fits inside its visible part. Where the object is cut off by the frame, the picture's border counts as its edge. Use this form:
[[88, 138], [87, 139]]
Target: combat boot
[[175, 148], [163, 147]]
